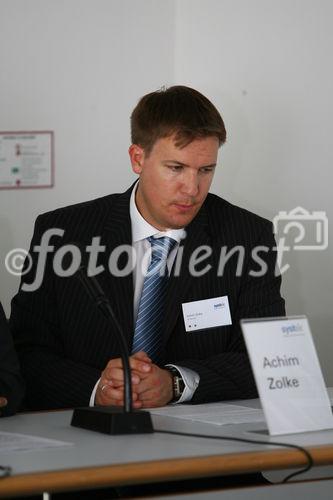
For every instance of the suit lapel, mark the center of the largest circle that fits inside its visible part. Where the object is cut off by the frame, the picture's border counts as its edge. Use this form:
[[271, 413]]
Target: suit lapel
[[178, 287], [117, 232]]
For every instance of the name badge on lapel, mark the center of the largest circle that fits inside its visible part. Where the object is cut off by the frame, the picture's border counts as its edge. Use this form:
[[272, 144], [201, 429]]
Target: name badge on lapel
[[208, 313]]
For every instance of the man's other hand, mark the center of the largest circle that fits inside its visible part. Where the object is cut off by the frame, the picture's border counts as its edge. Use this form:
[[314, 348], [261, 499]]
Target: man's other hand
[[3, 402], [155, 388]]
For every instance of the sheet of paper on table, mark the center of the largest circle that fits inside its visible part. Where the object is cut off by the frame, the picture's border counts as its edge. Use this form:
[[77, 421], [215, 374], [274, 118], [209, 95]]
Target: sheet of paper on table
[[10, 441], [213, 413]]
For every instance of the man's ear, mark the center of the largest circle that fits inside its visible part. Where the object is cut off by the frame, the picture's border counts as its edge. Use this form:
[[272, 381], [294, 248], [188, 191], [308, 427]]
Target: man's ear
[[136, 154]]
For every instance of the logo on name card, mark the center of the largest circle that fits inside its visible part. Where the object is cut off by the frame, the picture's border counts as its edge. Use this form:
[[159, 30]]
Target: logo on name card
[[292, 330], [218, 306]]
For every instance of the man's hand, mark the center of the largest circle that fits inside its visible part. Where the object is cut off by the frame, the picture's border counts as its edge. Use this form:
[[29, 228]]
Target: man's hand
[[155, 388], [110, 389]]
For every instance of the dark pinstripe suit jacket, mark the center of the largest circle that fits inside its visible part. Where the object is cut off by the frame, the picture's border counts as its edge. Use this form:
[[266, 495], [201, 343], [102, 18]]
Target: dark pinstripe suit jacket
[[64, 342]]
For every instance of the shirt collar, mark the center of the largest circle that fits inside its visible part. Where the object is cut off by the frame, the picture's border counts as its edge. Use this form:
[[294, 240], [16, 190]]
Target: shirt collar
[[141, 229]]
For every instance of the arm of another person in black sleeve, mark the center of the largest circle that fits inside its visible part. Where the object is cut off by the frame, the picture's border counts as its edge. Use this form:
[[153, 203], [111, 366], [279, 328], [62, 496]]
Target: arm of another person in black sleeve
[[11, 382], [228, 375]]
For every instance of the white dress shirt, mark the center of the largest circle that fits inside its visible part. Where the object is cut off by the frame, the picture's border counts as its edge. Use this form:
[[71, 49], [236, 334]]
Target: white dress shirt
[[141, 230]]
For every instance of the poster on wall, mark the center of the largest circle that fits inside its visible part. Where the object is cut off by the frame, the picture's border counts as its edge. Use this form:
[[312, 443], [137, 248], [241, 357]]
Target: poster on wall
[[26, 159]]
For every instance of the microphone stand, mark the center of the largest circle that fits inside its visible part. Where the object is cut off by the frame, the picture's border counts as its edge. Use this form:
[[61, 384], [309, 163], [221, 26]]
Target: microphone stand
[[111, 419]]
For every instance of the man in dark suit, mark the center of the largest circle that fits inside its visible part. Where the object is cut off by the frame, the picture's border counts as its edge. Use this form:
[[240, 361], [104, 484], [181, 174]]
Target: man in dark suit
[[11, 383], [69, 352]]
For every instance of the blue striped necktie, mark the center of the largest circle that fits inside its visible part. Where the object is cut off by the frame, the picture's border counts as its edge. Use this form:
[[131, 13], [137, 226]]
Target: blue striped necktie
[[148, 328]]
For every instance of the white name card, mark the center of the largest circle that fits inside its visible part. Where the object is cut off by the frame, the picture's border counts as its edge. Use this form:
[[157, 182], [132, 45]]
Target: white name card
[[207, 313], [288, 375]]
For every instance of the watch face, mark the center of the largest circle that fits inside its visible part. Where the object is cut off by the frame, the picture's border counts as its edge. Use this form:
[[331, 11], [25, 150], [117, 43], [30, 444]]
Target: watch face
[[177, 383], [181, 385]]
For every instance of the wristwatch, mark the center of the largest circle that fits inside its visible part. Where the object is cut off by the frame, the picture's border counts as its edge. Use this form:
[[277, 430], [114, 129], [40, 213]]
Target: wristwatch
[[178, 384]]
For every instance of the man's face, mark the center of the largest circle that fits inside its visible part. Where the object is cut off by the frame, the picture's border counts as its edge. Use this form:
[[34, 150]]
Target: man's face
[[173, 182]]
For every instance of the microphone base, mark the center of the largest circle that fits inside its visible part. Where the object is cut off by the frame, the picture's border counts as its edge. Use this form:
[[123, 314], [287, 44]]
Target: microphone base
[[112, 420]]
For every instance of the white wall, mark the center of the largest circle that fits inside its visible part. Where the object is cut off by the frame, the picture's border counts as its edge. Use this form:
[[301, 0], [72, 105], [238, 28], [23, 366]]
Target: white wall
[[78, 67], [267, 64]]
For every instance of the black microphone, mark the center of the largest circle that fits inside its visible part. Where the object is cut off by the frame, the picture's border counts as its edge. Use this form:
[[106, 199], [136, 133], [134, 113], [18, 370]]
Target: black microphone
[[110, 419]]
